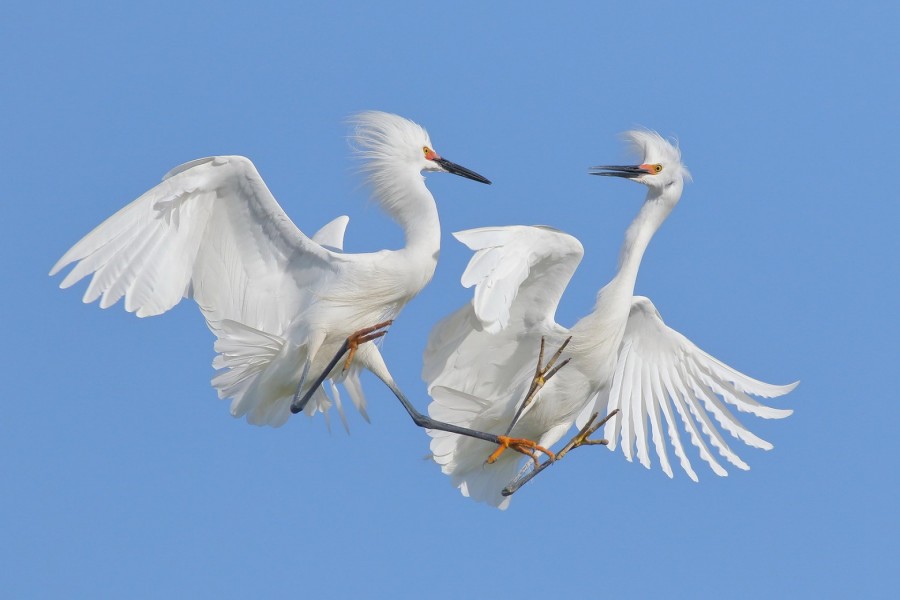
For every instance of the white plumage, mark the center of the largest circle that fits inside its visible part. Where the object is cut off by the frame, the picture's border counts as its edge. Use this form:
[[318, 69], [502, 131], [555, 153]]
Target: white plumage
[[280, 303], [480, 360]]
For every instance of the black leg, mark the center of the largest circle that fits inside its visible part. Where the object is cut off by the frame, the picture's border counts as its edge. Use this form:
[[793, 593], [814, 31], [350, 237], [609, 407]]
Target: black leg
[[360, 337], [298, 404], [429, 423], [418, 418]]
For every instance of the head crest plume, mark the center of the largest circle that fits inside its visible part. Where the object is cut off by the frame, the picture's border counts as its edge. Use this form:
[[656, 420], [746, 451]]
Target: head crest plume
[[387, 142], [380, 136], [654, 148]]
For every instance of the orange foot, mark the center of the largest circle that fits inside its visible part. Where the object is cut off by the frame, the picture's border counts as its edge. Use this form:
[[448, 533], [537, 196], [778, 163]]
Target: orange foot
[[361, 337], [526, 447]]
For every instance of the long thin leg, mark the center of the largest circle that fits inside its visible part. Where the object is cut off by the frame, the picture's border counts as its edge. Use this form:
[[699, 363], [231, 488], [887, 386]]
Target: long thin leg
[[301, 404], [370, 333], [542, 375], [350, 344]]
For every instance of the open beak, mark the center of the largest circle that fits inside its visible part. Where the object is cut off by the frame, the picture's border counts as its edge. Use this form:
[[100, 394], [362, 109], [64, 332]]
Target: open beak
[[626, 171], [452, 167]]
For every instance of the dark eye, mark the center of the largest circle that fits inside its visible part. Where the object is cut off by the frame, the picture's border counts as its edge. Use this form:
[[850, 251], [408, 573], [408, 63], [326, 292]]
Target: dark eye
[[657, 168]]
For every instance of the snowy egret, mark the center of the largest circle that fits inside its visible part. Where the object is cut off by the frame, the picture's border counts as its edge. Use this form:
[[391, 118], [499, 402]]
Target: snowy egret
[[280, 304], [480, 359]]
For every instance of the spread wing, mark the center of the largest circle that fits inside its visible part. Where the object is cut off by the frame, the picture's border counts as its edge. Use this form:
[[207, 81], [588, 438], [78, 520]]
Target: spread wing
[[660, 374], [519, 274], [212, 231]]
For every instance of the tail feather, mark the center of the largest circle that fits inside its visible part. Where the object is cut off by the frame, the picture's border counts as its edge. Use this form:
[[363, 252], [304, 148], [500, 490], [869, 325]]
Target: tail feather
[[259, 372], [463, 458]]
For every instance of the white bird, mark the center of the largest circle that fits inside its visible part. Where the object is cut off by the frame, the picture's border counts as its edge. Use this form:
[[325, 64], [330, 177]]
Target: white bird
[[280, 303], [480, 360]]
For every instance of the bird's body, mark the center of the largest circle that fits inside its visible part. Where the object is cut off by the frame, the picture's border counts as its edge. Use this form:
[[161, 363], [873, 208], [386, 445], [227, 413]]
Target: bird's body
[[480, 360], [280, 303]]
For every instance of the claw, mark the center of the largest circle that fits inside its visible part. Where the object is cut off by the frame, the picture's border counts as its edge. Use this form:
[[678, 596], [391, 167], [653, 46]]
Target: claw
[[526, 447], [361, 337]]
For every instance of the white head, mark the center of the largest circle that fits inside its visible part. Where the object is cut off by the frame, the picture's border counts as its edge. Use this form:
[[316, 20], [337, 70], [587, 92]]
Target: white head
[[388, 142], [661, 165]]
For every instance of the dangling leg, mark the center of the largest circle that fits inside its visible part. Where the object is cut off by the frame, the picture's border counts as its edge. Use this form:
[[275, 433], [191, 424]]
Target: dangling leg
[[351, 344]]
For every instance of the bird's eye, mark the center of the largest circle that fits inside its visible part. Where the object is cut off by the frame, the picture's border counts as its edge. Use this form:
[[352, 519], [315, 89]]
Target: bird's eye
[[426, 150], [657, 168]]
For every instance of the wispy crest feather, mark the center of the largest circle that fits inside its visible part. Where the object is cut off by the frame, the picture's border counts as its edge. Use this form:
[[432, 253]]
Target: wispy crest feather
[[386, 143], [654, 148]]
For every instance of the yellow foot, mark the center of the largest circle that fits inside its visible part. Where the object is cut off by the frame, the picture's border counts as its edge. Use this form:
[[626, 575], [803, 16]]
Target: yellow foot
[[361, 337], [526, 447]]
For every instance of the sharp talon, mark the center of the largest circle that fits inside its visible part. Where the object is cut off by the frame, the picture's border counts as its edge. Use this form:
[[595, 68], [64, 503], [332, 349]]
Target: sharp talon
[[361, 337]]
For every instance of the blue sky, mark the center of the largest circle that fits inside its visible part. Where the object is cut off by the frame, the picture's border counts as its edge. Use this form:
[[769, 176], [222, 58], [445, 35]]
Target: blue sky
[[124, 475]]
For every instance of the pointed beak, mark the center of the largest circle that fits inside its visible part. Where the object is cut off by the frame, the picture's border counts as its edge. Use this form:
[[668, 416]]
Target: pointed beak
[[626, 171], [452, 167]]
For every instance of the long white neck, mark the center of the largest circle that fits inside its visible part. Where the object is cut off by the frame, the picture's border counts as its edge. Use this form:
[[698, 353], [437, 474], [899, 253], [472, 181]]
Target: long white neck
[[402, 193], [654, 211], [604, 327]]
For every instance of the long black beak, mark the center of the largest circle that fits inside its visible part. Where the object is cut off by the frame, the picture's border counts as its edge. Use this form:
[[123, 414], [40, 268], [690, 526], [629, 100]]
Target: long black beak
[[452, 167], [626, 171]]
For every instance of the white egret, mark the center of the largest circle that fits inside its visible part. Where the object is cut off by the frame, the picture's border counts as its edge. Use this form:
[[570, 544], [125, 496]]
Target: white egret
[[480, 360], [280, 304]]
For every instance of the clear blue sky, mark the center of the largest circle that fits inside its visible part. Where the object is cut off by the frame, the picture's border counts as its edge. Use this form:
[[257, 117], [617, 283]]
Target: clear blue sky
[[124, 476]]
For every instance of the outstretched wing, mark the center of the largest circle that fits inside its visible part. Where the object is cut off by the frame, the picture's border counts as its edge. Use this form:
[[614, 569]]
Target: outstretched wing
[[660, 374], [211, 230], [519, 274]]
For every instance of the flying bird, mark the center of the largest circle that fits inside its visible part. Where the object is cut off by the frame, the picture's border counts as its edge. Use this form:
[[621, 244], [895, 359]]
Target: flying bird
[[280, 304], [480, 361]]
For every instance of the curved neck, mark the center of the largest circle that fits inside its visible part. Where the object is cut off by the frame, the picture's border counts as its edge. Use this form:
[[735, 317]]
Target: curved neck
[[614, 300], [654, 211], [419, 218], [402, 194]]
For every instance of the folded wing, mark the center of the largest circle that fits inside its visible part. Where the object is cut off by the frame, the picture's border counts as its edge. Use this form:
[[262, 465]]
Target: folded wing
[[519, 274]]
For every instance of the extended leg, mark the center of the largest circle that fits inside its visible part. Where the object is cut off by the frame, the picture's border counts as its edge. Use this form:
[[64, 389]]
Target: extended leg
[[542, 375], [524, 446], [350, 345]]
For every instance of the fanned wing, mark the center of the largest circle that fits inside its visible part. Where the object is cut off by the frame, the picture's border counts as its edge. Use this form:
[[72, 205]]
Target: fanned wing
[[662, 378], [210, 230]]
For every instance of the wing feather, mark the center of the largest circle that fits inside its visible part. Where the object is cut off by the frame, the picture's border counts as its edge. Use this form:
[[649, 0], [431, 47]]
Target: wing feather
[[531, 264], [210, 230], [658, 368]]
